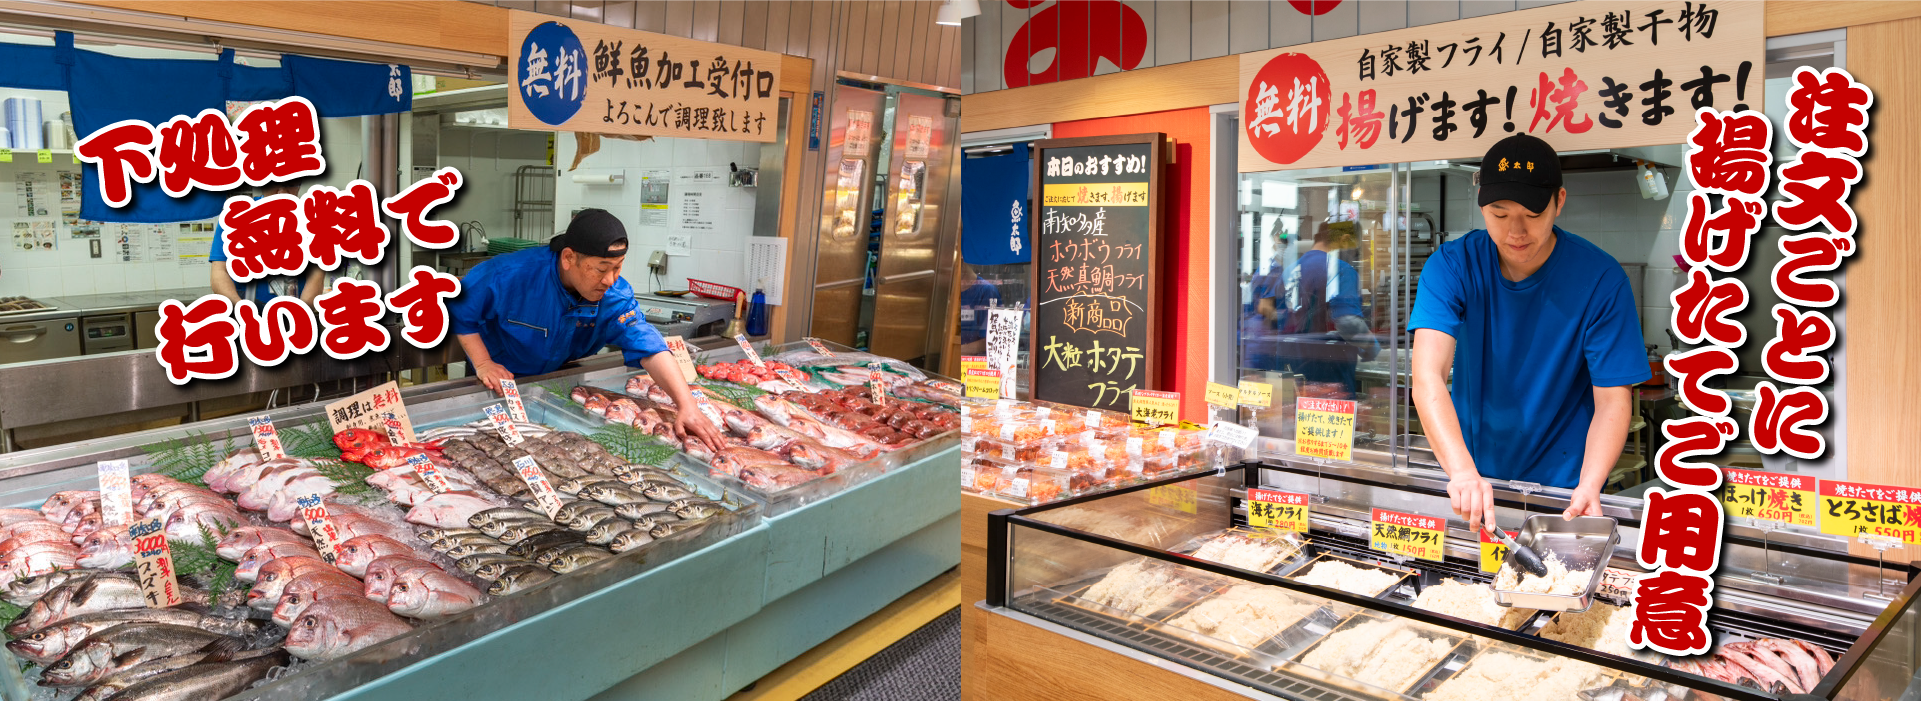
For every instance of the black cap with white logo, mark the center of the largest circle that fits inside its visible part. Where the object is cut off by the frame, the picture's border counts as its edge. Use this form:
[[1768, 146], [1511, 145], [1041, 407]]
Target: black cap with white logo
[[593, 232], [1521, 168]]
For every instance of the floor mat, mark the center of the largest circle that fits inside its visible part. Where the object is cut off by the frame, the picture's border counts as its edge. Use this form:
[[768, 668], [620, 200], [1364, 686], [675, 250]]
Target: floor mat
[[924, 666]]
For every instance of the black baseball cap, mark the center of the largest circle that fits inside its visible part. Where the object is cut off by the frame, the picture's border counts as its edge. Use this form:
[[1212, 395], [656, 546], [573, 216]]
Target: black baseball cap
[[1521, 168], [593, 232]]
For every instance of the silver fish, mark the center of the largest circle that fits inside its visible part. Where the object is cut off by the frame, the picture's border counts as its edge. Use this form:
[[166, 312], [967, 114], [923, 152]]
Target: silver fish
[[695, 509], [630, 540], [669, 530], [519, 579], [464, 539], [546, 557], [114, 684], [666, 491], [604, 532], [573, 486], [473, 563], [503, 514], [119, 649], [545, 541], [577, 558], [23, 592], [56, 640], [583, 519], [476, 548], [635, 510], [492, 570], [611, 495], [649, 521], [208, 680], [81, 596], [519, 532], [431, 535]]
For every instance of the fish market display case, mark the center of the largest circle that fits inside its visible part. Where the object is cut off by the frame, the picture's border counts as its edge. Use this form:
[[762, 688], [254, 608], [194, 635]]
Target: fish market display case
[[1168, 573], [697, 615]]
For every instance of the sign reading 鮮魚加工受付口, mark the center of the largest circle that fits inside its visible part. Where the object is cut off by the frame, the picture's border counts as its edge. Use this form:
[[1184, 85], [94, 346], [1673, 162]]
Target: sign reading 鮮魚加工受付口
[[1580, 75], [591, 77], [1094, 335]]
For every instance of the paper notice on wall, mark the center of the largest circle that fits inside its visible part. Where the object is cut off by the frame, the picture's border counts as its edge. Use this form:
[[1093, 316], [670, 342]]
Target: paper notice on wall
[[129, 243], [860, 133], [680, 244], [696, 209], [36, 195], [193, 243], [920, 136], [160, 242], [654, 186]]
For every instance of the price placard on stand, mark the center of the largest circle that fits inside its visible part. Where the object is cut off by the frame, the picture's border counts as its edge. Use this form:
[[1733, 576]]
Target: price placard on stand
[[1617, 584], [1281, 511], [153, 564], [1493, 552], [678, 346], [502, 423], [1182, 497], [748, 348], [537, 481], [973, 362], [266, 440], [1221, 396], [320, 527], [116, 492], [1155, 407], [369, 409], [983, 383], [1770, 496], [1232, 435], [1852, 508], [429, 473], [818, 346], [1413, 535], [510, 390], [1324, 428], [1258, 395]]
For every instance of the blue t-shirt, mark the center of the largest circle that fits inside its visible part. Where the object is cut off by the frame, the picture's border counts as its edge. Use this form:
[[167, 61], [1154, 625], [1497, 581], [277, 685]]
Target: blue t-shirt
[[261, 290], [1529, 354], [532, 325]]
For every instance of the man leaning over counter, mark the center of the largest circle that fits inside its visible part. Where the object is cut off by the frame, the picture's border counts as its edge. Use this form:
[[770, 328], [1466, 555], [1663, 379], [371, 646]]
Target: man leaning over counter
[[1540, 330], [531, 311]]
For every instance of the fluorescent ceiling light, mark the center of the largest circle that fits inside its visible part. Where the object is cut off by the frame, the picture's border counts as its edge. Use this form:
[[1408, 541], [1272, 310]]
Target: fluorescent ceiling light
[[953, 11]]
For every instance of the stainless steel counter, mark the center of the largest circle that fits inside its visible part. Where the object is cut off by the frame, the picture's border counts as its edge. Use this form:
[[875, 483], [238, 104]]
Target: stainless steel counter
[[117, 302]]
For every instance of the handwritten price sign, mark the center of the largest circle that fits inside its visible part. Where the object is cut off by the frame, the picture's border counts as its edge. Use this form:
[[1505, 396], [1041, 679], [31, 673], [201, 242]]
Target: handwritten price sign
[[1281, 511], [116, 492], [1769, 496], [678, 347], [1412, 535], [1324, 428], [320, 527], [429, 473], [266, 440], [511, 391], [1160, 408], [537, 481], [153, 564], [509, 433], [1222, 396], [1851, 508]]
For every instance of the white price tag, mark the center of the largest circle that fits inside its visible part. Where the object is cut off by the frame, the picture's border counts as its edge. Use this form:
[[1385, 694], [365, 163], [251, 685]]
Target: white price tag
[[153, 564], [1232, 434], [116, 492], [509, 433], [511, 390], [320, 528], [429, 473], [265, 439], [818, 346], [392, 424], [537, 481], [748, 348], [700, 399]]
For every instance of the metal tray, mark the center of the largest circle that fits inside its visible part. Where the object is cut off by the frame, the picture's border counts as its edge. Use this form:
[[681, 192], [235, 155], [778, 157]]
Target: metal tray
[[1584, 543], [1308, 566], [1462, 645]]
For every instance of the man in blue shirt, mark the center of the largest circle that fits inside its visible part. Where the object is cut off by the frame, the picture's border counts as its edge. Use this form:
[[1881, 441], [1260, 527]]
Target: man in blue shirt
[[531, 311], [1323, 336], [1548, 341], [265, 289]]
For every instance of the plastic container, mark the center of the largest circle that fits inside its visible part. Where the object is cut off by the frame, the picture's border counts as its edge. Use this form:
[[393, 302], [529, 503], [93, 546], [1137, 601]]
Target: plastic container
[[1019, 482], [757, 315], [1030, 451], [712, 290]]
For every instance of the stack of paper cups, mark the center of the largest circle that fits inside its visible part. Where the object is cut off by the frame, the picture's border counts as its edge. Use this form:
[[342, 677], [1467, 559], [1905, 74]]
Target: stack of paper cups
[[23, 122], [58, 136]]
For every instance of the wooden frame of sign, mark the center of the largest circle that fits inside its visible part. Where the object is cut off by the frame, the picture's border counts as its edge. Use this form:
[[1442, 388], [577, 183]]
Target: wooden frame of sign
[[1117, 310]]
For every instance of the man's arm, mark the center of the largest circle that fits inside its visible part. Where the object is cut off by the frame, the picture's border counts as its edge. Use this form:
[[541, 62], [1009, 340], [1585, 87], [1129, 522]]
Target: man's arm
[[313, 286], [691, 421], [484, 367], [1468, 493], [222, 284], [1606, 435]]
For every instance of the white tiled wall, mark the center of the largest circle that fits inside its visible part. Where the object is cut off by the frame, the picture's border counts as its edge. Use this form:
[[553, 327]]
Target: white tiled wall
[[1605, 208], [487, 159], [718, 255]]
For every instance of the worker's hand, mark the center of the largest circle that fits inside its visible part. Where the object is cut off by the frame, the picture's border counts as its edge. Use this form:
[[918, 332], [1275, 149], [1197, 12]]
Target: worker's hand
[[491, 374], [693, 424], [1473, 498], [1584, 502]]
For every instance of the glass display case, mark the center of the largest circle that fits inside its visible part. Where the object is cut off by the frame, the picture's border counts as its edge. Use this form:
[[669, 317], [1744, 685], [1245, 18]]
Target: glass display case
[[1170, 569]]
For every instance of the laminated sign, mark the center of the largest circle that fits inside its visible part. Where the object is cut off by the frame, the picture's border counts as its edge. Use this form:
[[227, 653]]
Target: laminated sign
[[1413, 535], [1493, 552], [1769, 496], [1851, 509], [1095, 223], [594, 78], [1324, 428], [1281, 511], [1160, 408]]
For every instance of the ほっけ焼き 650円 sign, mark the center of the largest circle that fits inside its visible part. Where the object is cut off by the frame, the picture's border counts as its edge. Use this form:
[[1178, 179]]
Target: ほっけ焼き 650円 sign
[[1580, 75], [590, 77]]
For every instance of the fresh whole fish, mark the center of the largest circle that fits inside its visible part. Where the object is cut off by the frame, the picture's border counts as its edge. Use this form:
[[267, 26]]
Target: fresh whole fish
[[207, 680], [572, 510], [572, 487], [9, 517], [277, 574], [431, 594], [308, 589], [503, 516], [1822, 659], [117, 682], [771, 478], [493, 570], [121, 648], [546, 556], [473, 563], [353, 526], [249, 566], [696, 509], [666, 491], [216, 477], [520, 579], [88, 524], [584, 519], [77, 597], [480, 539], [255, 496], [284, 505], [1806, 670], [1768, 657], [543, 541], [107, 548], [38, 558], [519, 532], [239, 540], [576, 558], [630, 540], [640, 509], [357, 553], [647, 523], [612, 495], [669, 530], [382, 574], [196, 521], [24, 592], [57, 507], [1760, 671], [433, 535], [55, 641], [450, 509], [484, 546], [606, 531], [334, 628]]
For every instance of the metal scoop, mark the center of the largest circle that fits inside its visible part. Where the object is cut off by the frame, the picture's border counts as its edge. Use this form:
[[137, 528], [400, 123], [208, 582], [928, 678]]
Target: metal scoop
[[1525, 558]]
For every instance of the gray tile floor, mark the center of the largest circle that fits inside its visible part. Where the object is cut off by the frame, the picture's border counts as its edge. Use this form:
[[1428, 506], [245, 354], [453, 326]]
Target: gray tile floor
[[924, 666]]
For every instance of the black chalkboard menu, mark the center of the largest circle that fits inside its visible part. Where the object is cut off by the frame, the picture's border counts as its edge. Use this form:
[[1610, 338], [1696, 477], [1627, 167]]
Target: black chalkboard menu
[[1097, 220]]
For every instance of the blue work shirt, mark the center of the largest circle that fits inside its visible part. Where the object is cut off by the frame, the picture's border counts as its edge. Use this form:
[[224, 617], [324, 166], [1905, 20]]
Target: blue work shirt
[[1529, 354], [261, 290], [532, 325]]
